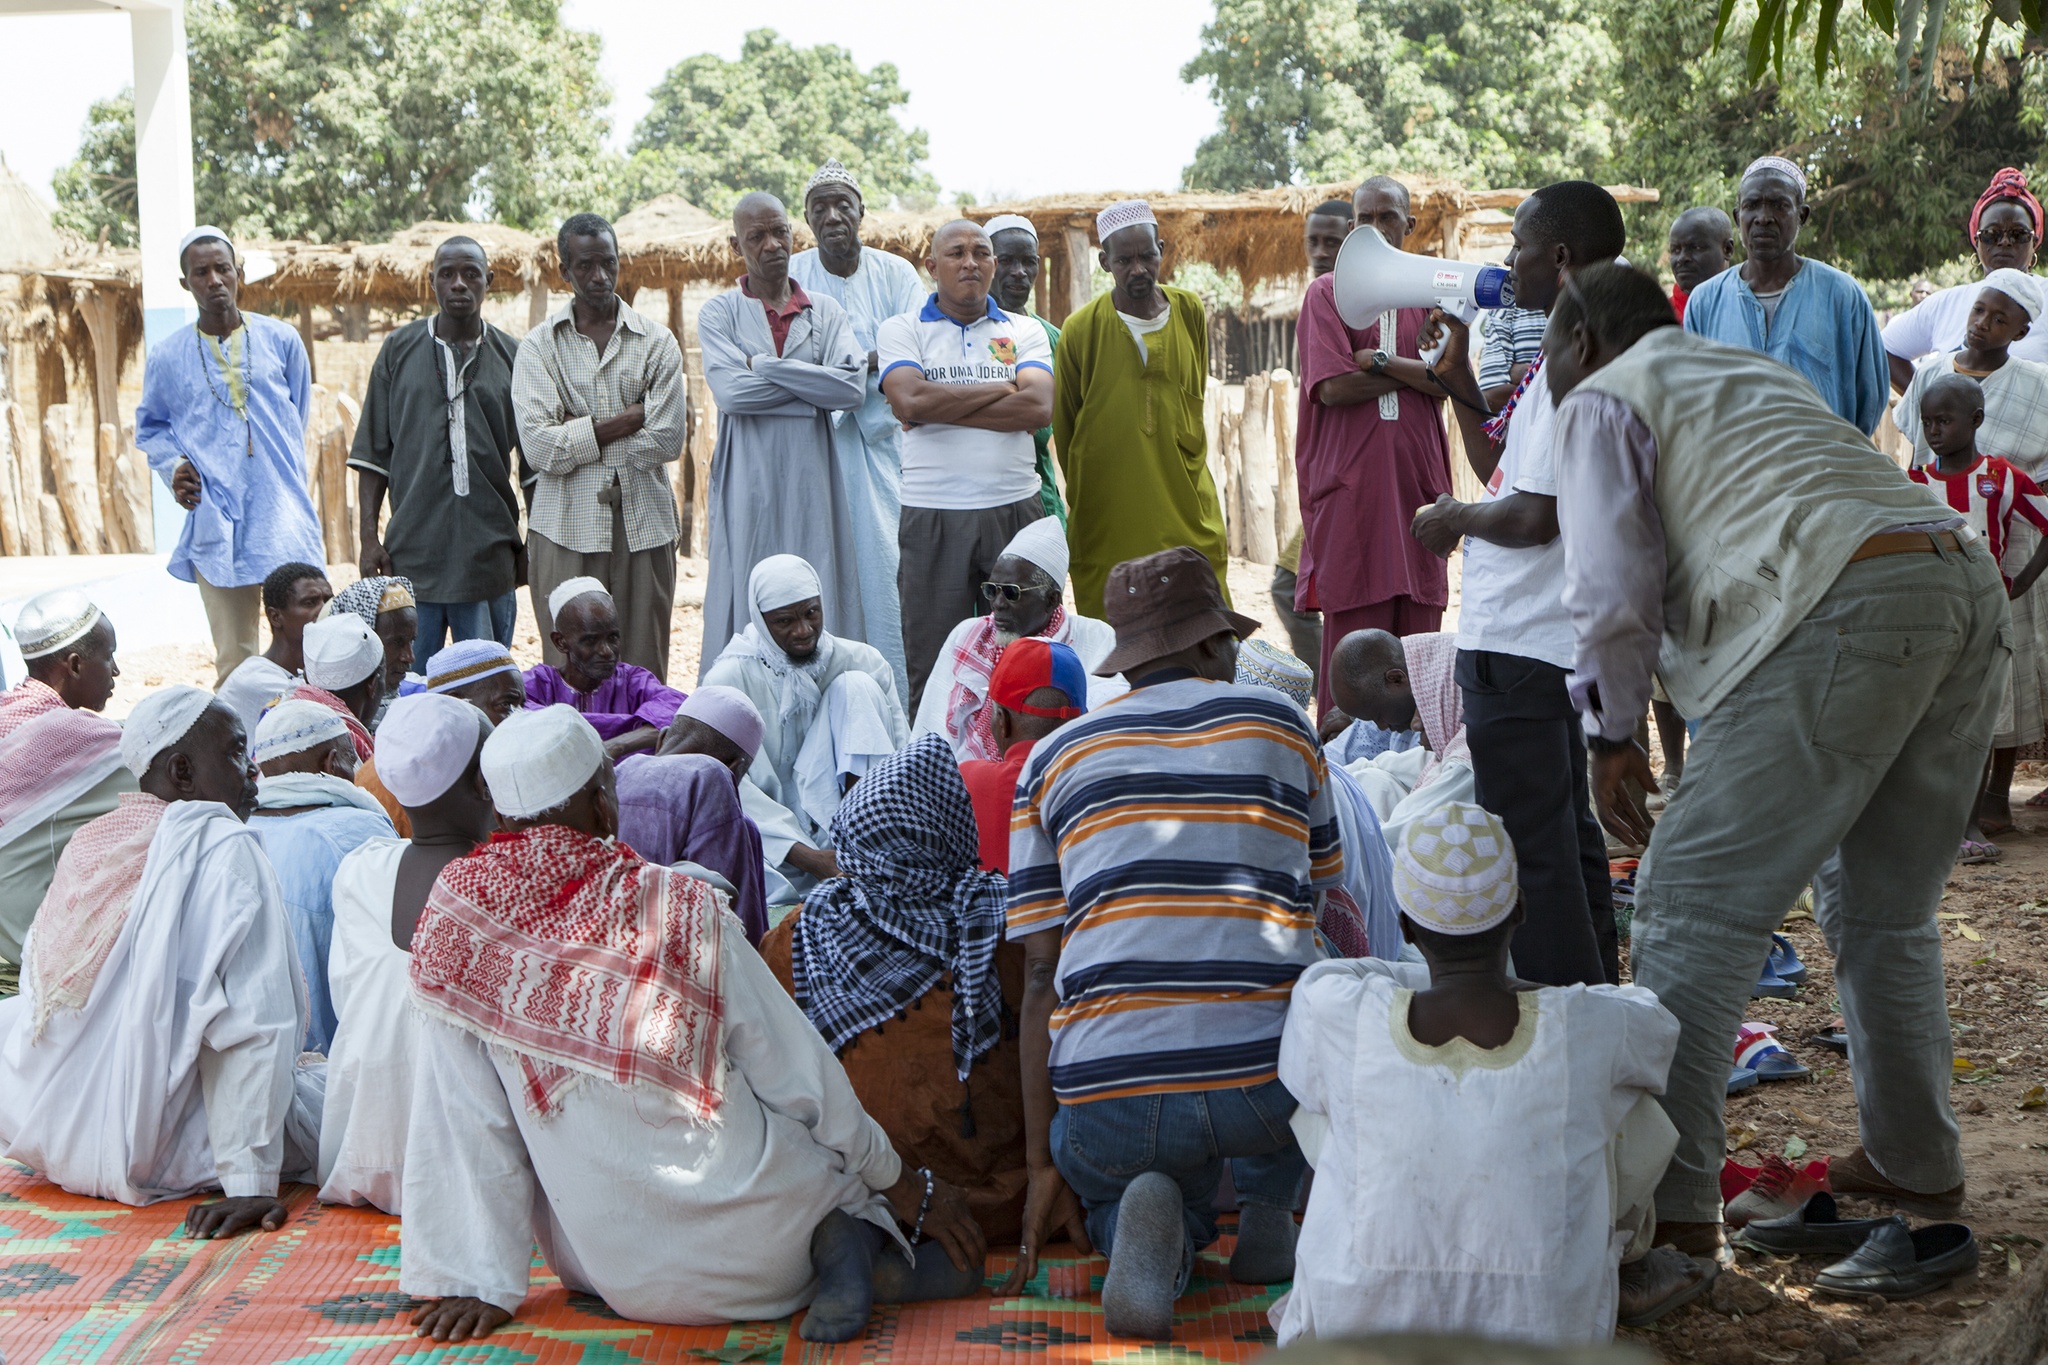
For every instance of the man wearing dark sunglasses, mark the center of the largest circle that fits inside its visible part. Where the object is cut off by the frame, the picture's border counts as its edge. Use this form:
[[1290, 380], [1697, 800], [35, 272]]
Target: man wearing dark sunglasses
[[1023, 598]]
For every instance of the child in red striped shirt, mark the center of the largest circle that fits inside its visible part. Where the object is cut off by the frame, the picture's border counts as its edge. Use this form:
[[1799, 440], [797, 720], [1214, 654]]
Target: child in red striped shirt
[[1988, 491]]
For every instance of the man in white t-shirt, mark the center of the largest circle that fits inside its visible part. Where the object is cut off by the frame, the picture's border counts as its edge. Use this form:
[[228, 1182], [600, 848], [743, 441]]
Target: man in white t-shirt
[[970, 383], [1515, 640]]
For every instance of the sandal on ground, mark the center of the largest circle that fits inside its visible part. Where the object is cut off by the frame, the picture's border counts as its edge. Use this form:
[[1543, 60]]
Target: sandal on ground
[[2039, 800], [1978, 851]]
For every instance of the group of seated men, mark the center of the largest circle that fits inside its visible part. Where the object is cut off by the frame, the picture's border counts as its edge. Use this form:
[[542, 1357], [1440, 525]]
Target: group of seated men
[[1109, 918]]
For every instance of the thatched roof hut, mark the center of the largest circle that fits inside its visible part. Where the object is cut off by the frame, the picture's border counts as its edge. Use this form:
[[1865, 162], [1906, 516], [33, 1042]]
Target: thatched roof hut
[[394, 274], [670, 243]]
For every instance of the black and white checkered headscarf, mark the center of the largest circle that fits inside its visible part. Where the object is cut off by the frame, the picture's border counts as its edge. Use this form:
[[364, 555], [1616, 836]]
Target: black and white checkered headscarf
[[912, 904]]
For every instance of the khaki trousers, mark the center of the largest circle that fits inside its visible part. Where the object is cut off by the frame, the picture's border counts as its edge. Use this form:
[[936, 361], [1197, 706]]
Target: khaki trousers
[[235, 616], [642, 584]]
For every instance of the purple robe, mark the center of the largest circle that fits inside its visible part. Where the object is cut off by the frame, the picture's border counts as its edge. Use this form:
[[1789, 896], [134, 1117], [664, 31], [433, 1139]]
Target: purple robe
[[686, 808], [631, 698]]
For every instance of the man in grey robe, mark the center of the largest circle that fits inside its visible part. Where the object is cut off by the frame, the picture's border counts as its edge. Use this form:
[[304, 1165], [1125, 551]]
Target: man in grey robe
[[781, 367], [871, 285]]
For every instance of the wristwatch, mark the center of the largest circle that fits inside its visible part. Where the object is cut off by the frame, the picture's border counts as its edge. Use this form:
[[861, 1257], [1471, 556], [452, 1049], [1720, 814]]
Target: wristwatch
[[1380, 361], [1600, 744]]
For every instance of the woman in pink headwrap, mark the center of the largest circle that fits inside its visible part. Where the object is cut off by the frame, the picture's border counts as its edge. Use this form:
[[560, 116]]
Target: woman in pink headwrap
[[2006, 228]]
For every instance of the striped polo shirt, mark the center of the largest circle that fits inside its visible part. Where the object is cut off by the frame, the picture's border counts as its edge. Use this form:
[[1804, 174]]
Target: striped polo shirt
[[1177, 837]]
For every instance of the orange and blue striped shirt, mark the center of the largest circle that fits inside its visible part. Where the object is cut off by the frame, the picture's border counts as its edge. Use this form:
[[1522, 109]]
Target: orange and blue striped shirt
[[1176, 837]]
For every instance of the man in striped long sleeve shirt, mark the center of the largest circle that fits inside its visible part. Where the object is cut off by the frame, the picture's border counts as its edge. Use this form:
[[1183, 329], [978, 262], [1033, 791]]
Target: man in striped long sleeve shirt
[[1165, 854]]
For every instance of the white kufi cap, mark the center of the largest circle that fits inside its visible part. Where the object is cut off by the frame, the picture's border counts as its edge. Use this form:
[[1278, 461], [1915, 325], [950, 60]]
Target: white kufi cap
[[1010, 222], [341, 651], [52, 620], [568, 590], [1455, 871], [537, 760], [292, 727], [1120, 215], [158, 721], [200, 234], [1044, 543], [2022, 288], [425, 744]]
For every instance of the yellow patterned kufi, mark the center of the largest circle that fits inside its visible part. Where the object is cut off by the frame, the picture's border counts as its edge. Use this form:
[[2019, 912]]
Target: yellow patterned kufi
[[1455, 871]]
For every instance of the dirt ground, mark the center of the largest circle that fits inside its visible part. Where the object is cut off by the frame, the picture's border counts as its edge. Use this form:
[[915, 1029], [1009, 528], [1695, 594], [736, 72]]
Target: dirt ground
[[1997, 966]]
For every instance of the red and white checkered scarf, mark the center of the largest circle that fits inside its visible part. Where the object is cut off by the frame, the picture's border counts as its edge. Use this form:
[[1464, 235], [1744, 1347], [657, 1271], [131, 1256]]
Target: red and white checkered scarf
[[582, 958], [20, 705], [1432, 677], [88, 902], [968, 714], [47, 751], [305, 691]]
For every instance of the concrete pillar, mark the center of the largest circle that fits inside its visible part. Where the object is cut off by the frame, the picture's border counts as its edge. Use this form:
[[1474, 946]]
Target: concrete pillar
[[163, 194]]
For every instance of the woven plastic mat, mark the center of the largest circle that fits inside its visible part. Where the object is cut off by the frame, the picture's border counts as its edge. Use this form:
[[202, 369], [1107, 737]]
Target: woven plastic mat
[[85, 1282]]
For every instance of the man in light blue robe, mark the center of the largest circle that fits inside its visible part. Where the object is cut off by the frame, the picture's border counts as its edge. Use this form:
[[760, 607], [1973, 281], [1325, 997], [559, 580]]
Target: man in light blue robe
[[223, 422], [1805, 315], [870, 285]]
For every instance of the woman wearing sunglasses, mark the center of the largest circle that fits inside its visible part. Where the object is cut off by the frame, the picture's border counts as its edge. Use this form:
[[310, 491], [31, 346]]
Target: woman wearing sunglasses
[[2005, 230]]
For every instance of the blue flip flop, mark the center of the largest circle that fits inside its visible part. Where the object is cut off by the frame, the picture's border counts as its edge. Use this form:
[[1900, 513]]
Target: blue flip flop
[[1741, 1078], [1784, 960]]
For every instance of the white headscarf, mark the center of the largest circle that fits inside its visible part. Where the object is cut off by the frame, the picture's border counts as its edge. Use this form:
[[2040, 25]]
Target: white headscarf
[[777, 581]]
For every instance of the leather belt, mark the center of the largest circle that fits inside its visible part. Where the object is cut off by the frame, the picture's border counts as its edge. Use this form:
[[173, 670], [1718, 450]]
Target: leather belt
[[1906, 543]]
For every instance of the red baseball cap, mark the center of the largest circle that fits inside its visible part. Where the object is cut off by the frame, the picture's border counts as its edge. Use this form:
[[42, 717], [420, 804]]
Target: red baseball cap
[[1032, 663]]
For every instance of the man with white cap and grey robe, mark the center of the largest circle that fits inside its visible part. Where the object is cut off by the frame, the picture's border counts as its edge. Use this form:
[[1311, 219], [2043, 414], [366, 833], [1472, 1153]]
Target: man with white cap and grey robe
[[784, 369], [153, 1050], [1029, 581], [60, 760], [310, 814], [871, 285], [830, 709], [222, 420], [429, 748], [681, 1142], [628, 704]]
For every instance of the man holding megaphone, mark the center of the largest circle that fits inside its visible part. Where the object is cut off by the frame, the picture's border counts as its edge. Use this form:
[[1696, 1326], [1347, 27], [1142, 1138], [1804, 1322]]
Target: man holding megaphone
[[1515, 639], [1370, 446]]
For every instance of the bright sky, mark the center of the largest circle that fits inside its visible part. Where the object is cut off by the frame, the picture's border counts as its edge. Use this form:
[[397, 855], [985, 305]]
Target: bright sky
[[1052, 102]]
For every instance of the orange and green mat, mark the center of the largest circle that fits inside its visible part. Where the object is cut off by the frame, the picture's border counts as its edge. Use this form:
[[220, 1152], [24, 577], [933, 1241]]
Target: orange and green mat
[[85, 1282]]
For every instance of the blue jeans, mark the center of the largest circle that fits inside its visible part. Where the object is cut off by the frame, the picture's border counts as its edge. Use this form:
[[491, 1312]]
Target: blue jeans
[[1101, 1146], [441, 621]]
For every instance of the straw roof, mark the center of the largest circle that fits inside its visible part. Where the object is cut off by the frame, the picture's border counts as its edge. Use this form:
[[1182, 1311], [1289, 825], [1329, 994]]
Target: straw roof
[[671, 243], [393, 274], [1257, 233]]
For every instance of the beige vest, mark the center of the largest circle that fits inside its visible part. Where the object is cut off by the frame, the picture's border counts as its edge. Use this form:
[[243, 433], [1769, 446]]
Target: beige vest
[[1764, 494]]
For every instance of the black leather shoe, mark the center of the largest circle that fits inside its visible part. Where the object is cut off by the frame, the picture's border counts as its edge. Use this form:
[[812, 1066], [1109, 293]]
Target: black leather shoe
[[1899, 1264], [1815, 1227]]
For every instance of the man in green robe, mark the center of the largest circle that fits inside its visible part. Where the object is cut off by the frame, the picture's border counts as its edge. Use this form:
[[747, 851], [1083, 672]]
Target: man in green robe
[[1127, 414]]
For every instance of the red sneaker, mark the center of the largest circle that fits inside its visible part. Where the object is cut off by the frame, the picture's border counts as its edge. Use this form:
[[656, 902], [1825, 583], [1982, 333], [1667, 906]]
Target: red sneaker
[[1779, 1189]]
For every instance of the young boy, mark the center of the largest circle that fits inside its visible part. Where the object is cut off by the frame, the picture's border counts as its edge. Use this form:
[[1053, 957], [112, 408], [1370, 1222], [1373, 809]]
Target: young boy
[[1701, 243], [1486, 1149], [1989, 491]]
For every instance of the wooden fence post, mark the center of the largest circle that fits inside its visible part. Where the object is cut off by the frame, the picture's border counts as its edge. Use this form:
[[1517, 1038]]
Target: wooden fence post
[[72, 461], [131, 472], [14, 538], [1230, 424], [55, 540], [703, 440], [1287, 505], [1261, 472]]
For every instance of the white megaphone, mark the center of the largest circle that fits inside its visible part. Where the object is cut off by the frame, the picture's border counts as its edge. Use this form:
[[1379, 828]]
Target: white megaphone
[[1372, 277]]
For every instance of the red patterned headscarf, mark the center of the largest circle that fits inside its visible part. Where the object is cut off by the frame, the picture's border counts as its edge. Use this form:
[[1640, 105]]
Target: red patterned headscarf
[[582, 958], [2011, 184]]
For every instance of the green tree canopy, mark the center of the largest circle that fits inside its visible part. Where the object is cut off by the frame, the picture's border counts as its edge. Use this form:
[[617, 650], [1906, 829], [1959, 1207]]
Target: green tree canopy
[[720, 129], [96, 192], [334, 119], [1500, 92], [1891, 177]]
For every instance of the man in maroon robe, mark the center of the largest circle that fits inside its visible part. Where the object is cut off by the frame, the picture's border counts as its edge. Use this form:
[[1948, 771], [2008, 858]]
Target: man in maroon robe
[[1369, 450]]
